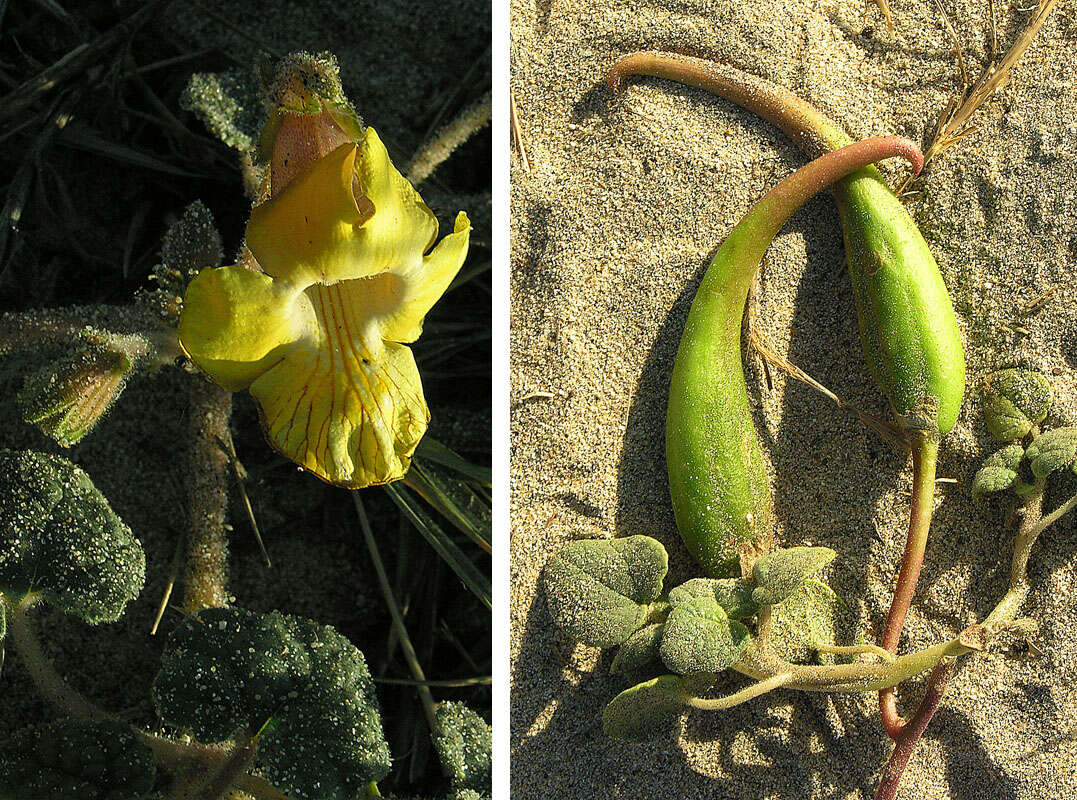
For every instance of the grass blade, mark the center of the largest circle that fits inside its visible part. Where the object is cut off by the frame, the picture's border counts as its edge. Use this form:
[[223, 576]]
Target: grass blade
[[453, 499], [474, 581], [433, 450]]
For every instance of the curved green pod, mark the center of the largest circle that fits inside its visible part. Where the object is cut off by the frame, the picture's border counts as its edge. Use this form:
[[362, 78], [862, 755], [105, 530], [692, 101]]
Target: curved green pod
[[718, 479], [908, 328]]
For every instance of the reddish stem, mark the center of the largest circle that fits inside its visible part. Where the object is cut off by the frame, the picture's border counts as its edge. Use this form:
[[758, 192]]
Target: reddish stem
[[811, 130], [906, 740], [925, 452], [763, 221]]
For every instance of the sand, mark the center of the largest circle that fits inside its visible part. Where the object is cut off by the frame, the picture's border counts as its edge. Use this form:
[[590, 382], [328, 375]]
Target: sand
[[625, 201]]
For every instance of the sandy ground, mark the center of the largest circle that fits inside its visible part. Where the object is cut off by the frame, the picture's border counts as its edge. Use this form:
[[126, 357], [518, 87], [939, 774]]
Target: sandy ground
[[625, 201]]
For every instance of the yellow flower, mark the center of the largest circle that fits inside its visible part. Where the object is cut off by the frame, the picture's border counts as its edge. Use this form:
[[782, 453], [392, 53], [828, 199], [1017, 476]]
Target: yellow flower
[[319, 334]]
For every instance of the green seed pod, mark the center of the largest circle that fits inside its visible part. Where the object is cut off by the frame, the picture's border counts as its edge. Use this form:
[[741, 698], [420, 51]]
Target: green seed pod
[[908, 329], [717, 476]]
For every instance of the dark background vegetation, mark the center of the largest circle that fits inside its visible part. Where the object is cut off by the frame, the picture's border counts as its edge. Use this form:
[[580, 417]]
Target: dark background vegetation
[[88, 204]]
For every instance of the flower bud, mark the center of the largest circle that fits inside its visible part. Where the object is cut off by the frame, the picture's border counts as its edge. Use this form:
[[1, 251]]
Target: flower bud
[[67, 398]]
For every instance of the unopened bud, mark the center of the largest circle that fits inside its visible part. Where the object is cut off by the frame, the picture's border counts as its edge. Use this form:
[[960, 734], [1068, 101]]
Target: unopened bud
[[67, 398], [309, 117]]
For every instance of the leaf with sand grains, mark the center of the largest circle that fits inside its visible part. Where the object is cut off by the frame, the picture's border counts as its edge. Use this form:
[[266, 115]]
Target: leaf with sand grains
[[60, 538], [463, 742], [640, 653], [700, 638], [600, 591], [1053, 450], [999, 471], [812, 617], [734, 595], [778, 574], [1013, 401], [647, 710]]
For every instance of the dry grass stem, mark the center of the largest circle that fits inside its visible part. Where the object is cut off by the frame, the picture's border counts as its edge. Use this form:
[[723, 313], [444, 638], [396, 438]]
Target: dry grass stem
[[517, 132], [955, 121], [772, 358], [884, 6]]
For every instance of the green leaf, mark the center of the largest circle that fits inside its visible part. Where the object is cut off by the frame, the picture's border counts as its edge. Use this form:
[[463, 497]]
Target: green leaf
[[229, 669], [639, 654], [734, 595], [778, 574], [228, 103], [1052, 450], [999, 471], [812, 616], [83, 760], [463, 742], [599, 590], [59, 536], [646, 710], [700, 638], [1013, 401]]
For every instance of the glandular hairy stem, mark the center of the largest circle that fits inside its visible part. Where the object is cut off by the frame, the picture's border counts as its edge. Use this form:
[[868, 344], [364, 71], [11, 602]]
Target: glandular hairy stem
[[762, 664], [206, 574], [48, 681], [735, 699], [1032, 525]]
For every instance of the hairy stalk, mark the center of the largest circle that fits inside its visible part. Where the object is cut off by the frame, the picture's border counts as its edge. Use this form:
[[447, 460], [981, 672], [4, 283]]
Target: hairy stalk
[[856, 650], [735, 699], [140, 336], [438, 149], [925, 456], [48, 681], [761, 663], [178, 756], [205, 581], [1032, 525], [236, 765], [1000, 618]]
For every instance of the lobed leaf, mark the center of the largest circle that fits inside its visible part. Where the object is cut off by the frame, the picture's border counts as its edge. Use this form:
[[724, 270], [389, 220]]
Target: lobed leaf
[[640, 653], [229, 669], [1013, 401], [60, 537], [812, 616], [699, 638], [463, 741], [734, 595], [999, 471], [600, 591], [1052, 450], [76, 761], [646, 710], [778, 574]]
